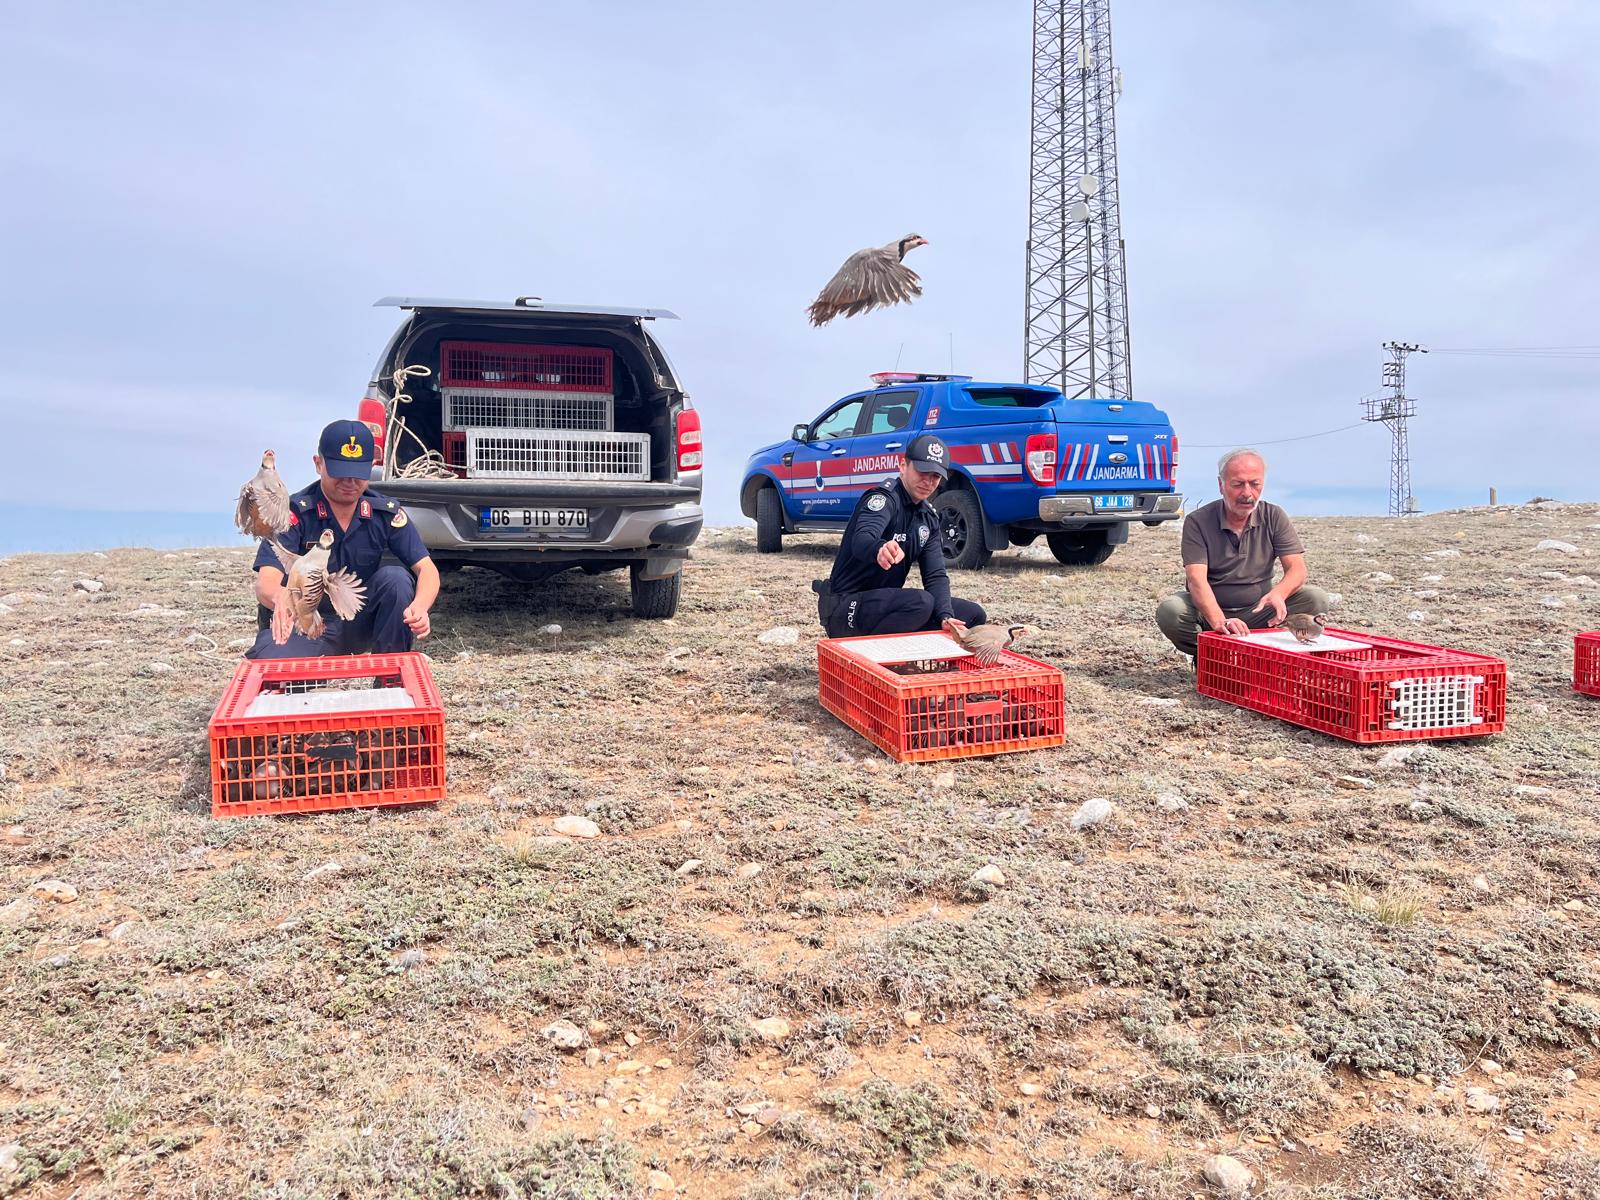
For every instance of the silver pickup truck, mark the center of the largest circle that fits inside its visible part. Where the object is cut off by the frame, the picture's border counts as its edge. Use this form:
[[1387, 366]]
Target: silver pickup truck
[[536, 438]]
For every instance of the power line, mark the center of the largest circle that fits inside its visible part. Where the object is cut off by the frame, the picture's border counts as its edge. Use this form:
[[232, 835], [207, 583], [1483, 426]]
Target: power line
[[1585, 353], [1269, 442]]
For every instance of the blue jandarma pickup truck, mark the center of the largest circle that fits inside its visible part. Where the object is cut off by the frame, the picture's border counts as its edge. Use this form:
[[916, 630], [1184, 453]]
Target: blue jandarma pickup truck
[[1025, 461]]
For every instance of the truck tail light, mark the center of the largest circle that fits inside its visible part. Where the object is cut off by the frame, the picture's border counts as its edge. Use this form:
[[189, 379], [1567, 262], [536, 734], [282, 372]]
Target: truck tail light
[[690, 456], [372, 415], [1039, 456], [1173, 476]]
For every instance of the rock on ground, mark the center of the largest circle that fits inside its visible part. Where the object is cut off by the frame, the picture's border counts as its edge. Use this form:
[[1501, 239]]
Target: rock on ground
[[563, 1035], [18, 911], [772, 1029], [1399, 755], [1228, 1175], [1482, 1100], [1092, 812], [575, 826], [783, 635]]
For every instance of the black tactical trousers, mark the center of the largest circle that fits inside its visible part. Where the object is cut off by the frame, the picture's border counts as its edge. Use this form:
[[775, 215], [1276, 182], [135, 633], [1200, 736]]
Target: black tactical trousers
[[887, 610]]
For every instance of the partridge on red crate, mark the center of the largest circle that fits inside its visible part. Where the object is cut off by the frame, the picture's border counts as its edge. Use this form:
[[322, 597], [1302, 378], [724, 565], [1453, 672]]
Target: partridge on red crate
[[987, 641], [1306, 627], [1357, 686]]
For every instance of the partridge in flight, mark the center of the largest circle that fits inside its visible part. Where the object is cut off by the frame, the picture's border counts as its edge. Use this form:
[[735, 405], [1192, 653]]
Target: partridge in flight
[[987, 641], [870, 279], [263, 502], [309, 580], [1305, 628]]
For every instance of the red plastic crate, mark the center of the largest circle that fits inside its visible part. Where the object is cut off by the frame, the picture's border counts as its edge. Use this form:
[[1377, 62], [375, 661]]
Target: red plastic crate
[[525, 367], [924, 711], [1392, 691], [1586, 663], [345, 754], [455, 450]]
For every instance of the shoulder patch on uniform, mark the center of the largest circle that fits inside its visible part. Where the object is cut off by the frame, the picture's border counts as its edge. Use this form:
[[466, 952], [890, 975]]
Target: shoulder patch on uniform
[[390, 505], [877, 502], [399, 519], [304, 502]]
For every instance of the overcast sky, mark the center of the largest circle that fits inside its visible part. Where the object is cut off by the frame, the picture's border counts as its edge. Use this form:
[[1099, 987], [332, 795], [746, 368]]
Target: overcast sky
[[202, 202]]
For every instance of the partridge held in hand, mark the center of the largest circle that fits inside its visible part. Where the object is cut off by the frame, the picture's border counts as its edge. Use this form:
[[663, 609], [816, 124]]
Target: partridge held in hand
[[309, 581], [870, 279], [263, 502], [987, 641], [1306, 628]]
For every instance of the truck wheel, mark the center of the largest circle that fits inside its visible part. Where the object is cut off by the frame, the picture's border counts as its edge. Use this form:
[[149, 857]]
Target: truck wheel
[[1080, 549], [655, 598], [769, 521], [961, 523]]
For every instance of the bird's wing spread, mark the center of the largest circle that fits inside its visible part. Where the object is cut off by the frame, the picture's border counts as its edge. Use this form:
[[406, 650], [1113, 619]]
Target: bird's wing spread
[[848, 281], [887, 280], [346, 592], [287, 559], [244, 516], [985, 642], [271, 500], [868, 279], [872, 276]]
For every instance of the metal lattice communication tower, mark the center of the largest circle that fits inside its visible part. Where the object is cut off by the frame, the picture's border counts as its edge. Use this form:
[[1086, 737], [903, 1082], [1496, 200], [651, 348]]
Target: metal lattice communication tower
[[1393, 410], [1076, 317]]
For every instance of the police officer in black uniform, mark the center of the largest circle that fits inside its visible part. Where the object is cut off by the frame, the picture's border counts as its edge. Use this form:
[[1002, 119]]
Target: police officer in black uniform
[[365, 526], [893, 524]]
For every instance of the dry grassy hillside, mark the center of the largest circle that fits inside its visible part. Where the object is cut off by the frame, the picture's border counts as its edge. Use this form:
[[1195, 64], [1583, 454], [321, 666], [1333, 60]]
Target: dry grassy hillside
[[1329, 981]]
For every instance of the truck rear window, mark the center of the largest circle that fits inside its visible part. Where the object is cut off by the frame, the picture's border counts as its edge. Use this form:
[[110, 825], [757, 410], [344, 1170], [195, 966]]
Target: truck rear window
[[1012, 397]]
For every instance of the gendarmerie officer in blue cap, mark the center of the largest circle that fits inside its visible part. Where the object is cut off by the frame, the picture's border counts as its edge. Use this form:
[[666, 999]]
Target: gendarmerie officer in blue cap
[[365, 526], [893, 525]]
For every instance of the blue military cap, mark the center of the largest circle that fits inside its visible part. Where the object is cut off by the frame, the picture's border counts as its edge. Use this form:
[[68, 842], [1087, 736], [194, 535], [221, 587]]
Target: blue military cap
[[346, 448]]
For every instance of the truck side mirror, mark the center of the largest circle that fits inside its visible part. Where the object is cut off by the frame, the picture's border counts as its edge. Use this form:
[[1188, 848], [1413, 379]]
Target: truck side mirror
[[799, 433]]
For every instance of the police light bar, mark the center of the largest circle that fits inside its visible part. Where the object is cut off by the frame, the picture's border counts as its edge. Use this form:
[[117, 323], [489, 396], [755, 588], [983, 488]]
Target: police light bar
[[885, 378]]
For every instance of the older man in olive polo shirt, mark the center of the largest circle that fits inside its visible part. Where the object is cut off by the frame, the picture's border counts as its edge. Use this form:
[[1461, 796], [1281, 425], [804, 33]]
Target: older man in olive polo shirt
[[1230, 547]]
